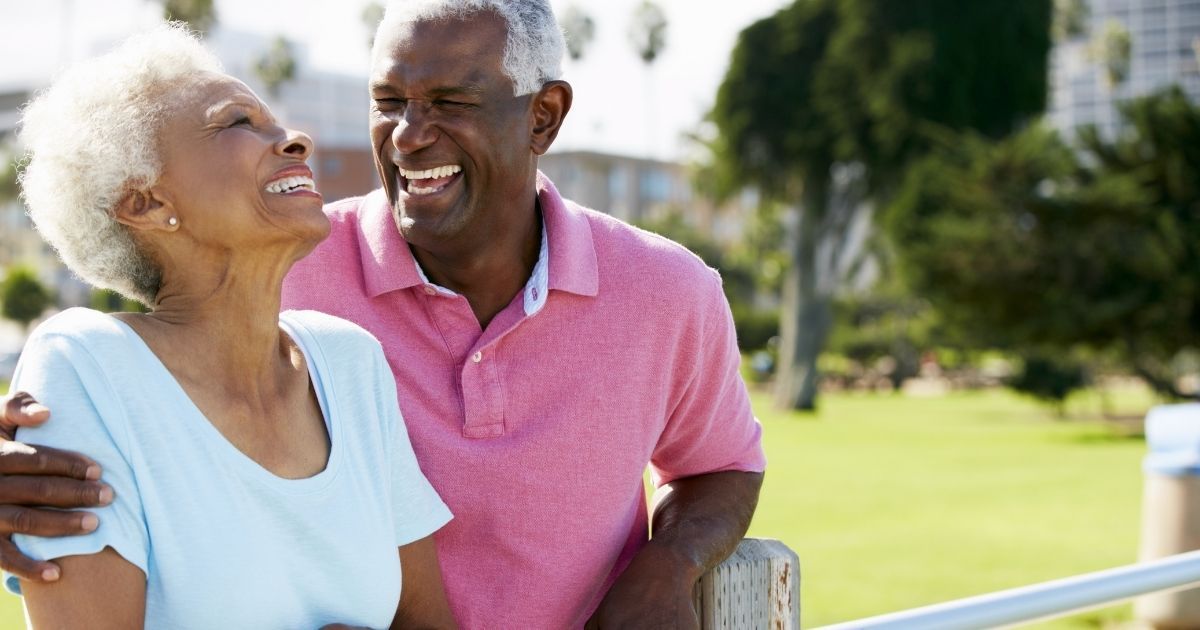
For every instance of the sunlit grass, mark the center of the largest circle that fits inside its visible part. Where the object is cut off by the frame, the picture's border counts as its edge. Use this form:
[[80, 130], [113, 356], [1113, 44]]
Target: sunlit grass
[[894, 502]]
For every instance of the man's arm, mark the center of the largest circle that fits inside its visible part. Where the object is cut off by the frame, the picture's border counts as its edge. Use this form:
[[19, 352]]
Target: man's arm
[[101, 590], [699, 517], [33, 477], [698, 521], [423, 601]]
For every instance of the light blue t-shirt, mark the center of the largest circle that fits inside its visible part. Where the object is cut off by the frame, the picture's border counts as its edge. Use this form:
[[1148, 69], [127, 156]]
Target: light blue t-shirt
[[225, 543]]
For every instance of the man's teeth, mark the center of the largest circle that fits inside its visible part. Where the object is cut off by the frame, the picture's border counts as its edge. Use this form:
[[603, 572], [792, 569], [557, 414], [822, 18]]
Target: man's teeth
[[433, 173], [288, 184]]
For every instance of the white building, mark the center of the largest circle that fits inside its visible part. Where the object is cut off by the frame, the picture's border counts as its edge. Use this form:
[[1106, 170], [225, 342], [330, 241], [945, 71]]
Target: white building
[[1164, 35], [638, 190]]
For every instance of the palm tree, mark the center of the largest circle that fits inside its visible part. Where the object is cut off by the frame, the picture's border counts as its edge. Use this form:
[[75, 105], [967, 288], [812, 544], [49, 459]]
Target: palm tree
[[199, 14], [1111, 48], [372, 15], [648, 35], [276, 66], [580, 29], [648, 32]]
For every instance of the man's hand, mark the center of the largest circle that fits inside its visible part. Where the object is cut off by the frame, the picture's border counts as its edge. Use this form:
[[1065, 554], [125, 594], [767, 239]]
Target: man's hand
[[655, 591], [698, 522], [33, 477]]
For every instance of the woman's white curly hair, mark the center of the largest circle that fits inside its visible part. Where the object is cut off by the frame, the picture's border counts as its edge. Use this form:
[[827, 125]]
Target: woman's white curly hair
[[534, 50], [92, 137]]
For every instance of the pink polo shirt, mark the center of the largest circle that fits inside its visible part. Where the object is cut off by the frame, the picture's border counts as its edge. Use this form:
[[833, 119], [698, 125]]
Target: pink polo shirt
[[536, 431]]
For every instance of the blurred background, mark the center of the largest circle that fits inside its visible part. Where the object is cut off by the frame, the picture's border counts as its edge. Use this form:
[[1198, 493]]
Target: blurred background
[[959, 240]]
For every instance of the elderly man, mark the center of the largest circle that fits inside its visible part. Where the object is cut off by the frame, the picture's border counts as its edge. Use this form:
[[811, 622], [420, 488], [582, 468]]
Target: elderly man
[[544, 353]]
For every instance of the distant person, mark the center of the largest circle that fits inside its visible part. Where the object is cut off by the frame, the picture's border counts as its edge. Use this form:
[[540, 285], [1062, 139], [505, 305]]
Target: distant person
[[545, 354], [262, 474]]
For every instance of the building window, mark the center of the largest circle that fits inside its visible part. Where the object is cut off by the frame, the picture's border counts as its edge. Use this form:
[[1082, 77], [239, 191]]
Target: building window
[[654, 186], [331, 166]]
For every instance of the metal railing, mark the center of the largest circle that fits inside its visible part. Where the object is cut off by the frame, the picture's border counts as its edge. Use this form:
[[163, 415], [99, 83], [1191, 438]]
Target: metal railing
[[1043, 601]]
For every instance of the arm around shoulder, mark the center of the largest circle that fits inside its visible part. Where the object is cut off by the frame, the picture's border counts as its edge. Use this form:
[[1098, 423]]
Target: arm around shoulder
[[99, 591], [423, 602]]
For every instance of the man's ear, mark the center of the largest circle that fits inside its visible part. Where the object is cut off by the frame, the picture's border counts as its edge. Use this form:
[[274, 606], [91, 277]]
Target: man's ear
[[550, 107], [146, 209]]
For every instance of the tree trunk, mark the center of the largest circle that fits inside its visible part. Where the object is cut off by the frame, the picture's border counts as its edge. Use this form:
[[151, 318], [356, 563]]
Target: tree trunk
[[807, 314], [1153, 372]]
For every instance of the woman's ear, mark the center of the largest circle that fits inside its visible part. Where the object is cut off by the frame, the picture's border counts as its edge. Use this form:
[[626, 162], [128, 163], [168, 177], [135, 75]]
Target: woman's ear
[[146, 209], [550, 107]]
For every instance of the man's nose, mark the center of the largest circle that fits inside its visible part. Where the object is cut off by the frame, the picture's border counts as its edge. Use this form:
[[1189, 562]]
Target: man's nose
[[415, 129]]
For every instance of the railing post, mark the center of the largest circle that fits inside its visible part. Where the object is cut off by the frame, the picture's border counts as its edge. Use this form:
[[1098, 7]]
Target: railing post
[[1171, 508], [758, 586]]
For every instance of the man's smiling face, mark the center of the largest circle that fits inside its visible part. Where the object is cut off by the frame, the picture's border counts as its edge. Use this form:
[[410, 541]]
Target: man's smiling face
[[452, 143]]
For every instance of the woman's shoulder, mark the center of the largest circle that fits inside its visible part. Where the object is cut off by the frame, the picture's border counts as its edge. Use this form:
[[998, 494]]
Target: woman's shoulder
[[333, 334], [82, 326]]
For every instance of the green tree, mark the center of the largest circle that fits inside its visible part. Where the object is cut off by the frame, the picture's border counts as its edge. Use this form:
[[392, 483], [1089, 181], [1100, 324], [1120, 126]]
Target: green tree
[[109, 301], [8, 176], [580, 30], [277, 66], [825, 104], [372, 15], [1111, 48], [199, 14], [648, 31], [1050, 377], [24, 298], [1024, 244], [1070, 19]]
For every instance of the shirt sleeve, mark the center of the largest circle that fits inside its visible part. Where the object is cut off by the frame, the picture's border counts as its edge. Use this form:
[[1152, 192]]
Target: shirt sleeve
[[87, 417], [712, 428], [417, 510]]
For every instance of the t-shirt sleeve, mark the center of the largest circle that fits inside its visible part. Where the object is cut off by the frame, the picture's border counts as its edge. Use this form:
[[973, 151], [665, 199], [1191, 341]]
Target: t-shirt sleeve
[[417, 510], [87, 417], [712, 428]]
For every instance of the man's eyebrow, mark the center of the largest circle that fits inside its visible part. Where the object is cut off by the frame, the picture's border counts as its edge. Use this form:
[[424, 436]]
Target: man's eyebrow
[[469, 89]]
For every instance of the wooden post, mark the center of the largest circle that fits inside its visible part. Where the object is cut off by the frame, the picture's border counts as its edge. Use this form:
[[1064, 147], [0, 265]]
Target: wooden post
[[758, 586], [1170, 509]]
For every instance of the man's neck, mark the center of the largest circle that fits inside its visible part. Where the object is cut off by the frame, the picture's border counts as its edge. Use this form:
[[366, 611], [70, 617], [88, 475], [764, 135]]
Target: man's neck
[[488, 277]]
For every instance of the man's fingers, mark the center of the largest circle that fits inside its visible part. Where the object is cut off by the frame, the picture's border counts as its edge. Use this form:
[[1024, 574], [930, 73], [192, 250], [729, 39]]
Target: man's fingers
[[20, 565], [21, 410], [30, 459], [22, 520], [60, 492]]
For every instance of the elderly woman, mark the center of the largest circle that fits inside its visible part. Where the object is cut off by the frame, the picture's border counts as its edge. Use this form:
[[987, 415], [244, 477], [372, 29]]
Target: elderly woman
[[262, 473]]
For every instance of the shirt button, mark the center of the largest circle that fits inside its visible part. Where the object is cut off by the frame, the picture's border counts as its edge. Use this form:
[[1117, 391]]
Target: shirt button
[[430, 290], [535, 293], [477, 357]]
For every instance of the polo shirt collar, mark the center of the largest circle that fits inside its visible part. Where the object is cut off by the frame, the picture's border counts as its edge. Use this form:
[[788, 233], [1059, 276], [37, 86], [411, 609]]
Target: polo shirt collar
[[573, 262], [566, 259], [387, 262]]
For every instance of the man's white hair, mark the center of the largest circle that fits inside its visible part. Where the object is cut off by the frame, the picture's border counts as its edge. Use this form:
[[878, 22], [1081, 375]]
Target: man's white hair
[[92, 137], [534, 49]]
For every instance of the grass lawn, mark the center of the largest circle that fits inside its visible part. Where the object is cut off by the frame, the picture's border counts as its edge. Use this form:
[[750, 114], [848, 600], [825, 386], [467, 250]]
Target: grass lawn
[[894, 502]]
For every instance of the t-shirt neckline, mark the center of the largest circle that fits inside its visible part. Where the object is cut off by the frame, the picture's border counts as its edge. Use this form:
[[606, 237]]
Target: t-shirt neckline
[[218, 444]]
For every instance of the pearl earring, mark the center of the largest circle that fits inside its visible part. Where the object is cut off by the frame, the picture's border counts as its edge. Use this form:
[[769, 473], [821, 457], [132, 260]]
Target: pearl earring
[[172, 222]]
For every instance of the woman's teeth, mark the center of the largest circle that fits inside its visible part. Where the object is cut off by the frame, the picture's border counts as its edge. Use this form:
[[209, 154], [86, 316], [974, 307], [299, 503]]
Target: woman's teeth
[[289, 184]]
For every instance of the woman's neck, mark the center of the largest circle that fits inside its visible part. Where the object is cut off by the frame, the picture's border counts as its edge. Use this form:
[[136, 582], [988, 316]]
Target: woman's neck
[[224, 328]]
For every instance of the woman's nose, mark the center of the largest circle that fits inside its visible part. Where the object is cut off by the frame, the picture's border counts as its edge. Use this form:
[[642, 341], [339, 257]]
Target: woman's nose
[[295, 144]]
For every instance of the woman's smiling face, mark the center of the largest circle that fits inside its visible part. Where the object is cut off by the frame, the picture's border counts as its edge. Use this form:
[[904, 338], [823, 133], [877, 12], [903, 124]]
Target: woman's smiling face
[[235, 177]]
